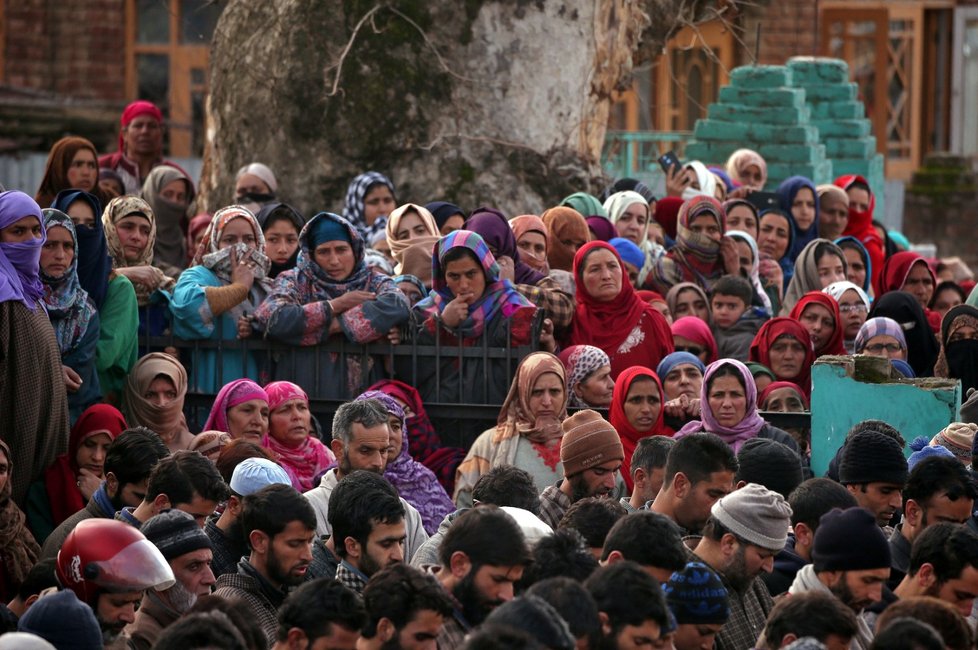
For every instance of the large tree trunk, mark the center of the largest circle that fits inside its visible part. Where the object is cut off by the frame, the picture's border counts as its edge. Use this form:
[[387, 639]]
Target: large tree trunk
[[501, 102]]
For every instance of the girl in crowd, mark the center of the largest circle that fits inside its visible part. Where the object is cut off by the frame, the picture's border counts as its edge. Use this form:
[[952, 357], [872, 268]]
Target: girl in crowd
[[611, 316], [227, 281], [528, 432], [860, 225], [72, 312], [742, 216], [289, 438], [701, 254], [881, 337], [533, 240], [748, 168], [818, 265], [169, 192], [785, 346], [833, 211], [854, 307], [369, 199], [18, 549], [910, 272], [728, 404], [34, 417], [693, 335], [858, 265], [410, 224], [241, 411], [958, 357], [819, 313], [72, 164], [589, 382], [637, 412], [774, 239], [281, 225], [799, 200], [682, 378], [922, 346], [750, 267], [73, 478], [568, 233], [154, 396], [331, 291], [688, 299], [947, 294], [631, 215], [448, 216]]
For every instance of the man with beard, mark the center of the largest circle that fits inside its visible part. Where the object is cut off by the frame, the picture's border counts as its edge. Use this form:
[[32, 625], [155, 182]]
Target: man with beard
[[943, 564], [746, 529], [851, 561], [188, 551], [591, 453], [226, 533], [280, 526], [361, 438], [128, 462], [632, 608], [406, 609], [368, 527], [482, 556], [321, 613]]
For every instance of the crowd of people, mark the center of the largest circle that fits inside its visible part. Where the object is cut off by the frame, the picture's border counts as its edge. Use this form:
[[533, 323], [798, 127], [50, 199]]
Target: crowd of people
[[631, 494]]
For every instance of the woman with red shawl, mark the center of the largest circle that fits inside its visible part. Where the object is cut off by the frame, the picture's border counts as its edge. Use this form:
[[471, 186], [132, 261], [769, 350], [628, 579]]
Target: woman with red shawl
[[785, 346], [71, 480], [636, 412], [819, 313], [861, 206], [910, 272], [611, 316]]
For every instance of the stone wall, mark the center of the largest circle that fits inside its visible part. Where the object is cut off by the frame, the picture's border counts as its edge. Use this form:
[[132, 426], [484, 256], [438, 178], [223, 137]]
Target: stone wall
[[941, 206]]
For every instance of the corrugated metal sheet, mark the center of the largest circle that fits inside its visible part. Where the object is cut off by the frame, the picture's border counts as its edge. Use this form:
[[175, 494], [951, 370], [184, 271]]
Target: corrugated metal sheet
[[25, 171]]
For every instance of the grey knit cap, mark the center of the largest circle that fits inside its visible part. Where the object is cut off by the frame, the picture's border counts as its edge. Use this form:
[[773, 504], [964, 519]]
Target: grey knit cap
[[756, 514]]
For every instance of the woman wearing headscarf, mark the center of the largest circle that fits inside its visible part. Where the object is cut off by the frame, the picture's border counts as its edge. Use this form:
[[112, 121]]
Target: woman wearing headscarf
[[536, 287], [748, 168], [370, 198], [195, 234], [631, 215], [227, 281], [94, 263], [910, 272], [746, 244], [854, 307], [528, 432], [412, 287], [589, 382], [240, 410], [681, 374], [774, 239], [704, 182], [742, 215], [958, 358], [689, 299], [331, 291], [255, 186], [415, 483], [819, 313], [72, 164], [833, 211], [73, 478], [533, 240], [72, 312], [860, 225], [922, 345], [601, 229], [611, 316], [568, 233], [655, 299], [693, 335], [702, 254], [303, 456], [169, 192], [154, 397], [858, 265], [18, 549], [799, 200], [34, 412], [728, 405], [637, 412], [587, 205], [448, 216], [281, 225], [410, 224], [785, 346], [881, 337], [667, 216], [947, 294], [818, 265]]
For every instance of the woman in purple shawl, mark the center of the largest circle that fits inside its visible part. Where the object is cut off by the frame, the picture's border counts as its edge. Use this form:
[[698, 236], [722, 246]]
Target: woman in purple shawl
[[416, 484], [728, 407]]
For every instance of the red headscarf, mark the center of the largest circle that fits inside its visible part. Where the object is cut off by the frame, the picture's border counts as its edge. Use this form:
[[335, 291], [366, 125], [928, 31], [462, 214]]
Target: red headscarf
[[629, 435], [696, 330], [894, 274], [771, 331], [134, 110], [775, 385], [860, 225], [835, 343], [667, 214], [60, 479], [606, 325]]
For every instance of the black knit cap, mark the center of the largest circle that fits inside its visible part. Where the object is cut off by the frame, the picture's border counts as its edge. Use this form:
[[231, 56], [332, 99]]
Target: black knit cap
[[175, 533], [771, 464], [849, 540], [872, 457]]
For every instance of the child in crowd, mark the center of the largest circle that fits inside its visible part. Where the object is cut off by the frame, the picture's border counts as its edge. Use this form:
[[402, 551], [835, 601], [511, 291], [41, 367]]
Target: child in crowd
[[735, 320]]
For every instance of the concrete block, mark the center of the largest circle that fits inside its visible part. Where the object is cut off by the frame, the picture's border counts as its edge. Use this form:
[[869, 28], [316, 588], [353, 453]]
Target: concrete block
[[760, 76], [781, 171], [711, 152], [732, 113], [828, 129], [853, 110], [762, 97], [787, 153], [867, 167], [754, 132], [850, 147], [846, 92], [817, 70]]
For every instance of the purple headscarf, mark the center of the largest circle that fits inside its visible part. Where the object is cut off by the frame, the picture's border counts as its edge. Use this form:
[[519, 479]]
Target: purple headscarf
[[499, 237], [237, 392], [20, 262], [741, 432], [414, 482], [602, 228]]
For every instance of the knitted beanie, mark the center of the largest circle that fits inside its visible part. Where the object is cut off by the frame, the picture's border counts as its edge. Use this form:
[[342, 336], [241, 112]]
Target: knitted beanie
[[696, 596], [870, 457], [958, 438], [849, 540], [175, 533], [589, 440], [922, 449], [771, 464], [756, 514], [63, 621]]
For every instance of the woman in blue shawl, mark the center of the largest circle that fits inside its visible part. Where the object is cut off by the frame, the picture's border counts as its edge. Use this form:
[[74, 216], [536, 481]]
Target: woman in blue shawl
[[799, 200]]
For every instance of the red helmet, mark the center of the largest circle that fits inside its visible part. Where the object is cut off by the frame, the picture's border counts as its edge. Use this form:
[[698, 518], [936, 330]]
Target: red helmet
[[108, 555]]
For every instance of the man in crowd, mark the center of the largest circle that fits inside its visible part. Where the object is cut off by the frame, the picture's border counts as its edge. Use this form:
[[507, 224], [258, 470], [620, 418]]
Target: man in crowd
[[698, 601], [481, 558], [361, 437], [699, 471], [279, 525], [850, 561], [406, 608], [769, 463], [576, 605], [186, 481], [873, 468], [128, 462], [943, 564], [813, 615], [320, 614], [367, 519], [746, 529], [632, 608], [591, 453], [648, 471], [140, 145], [593, 518], [188, 551], [648, 539]]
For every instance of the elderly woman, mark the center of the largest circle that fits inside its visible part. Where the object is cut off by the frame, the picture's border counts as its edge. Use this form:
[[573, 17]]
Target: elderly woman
[[921, 345], [636, 412], [854, 307], [303, 456], [153, 398], [255, 186], [785, 346], [241, 411], [528, 432], [589, 382]]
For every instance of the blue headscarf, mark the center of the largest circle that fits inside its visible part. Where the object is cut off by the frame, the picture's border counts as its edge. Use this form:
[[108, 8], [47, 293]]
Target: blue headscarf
[[787, 191], [68, 305], [674, 359], [94, 262], [849, 239], [629, 252]]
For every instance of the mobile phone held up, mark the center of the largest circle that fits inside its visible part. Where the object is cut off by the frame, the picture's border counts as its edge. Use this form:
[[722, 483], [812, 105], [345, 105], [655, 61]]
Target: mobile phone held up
[[764, 201], [669, 162]]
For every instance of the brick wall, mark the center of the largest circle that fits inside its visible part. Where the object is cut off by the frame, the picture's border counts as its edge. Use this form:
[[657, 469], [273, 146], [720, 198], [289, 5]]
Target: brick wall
[[70, 47], [788, 28]]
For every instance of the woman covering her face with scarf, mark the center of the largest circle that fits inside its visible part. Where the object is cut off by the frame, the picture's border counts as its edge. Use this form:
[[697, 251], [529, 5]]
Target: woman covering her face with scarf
[[153, 398], [958, 358], [701, 253], [169, 192]]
